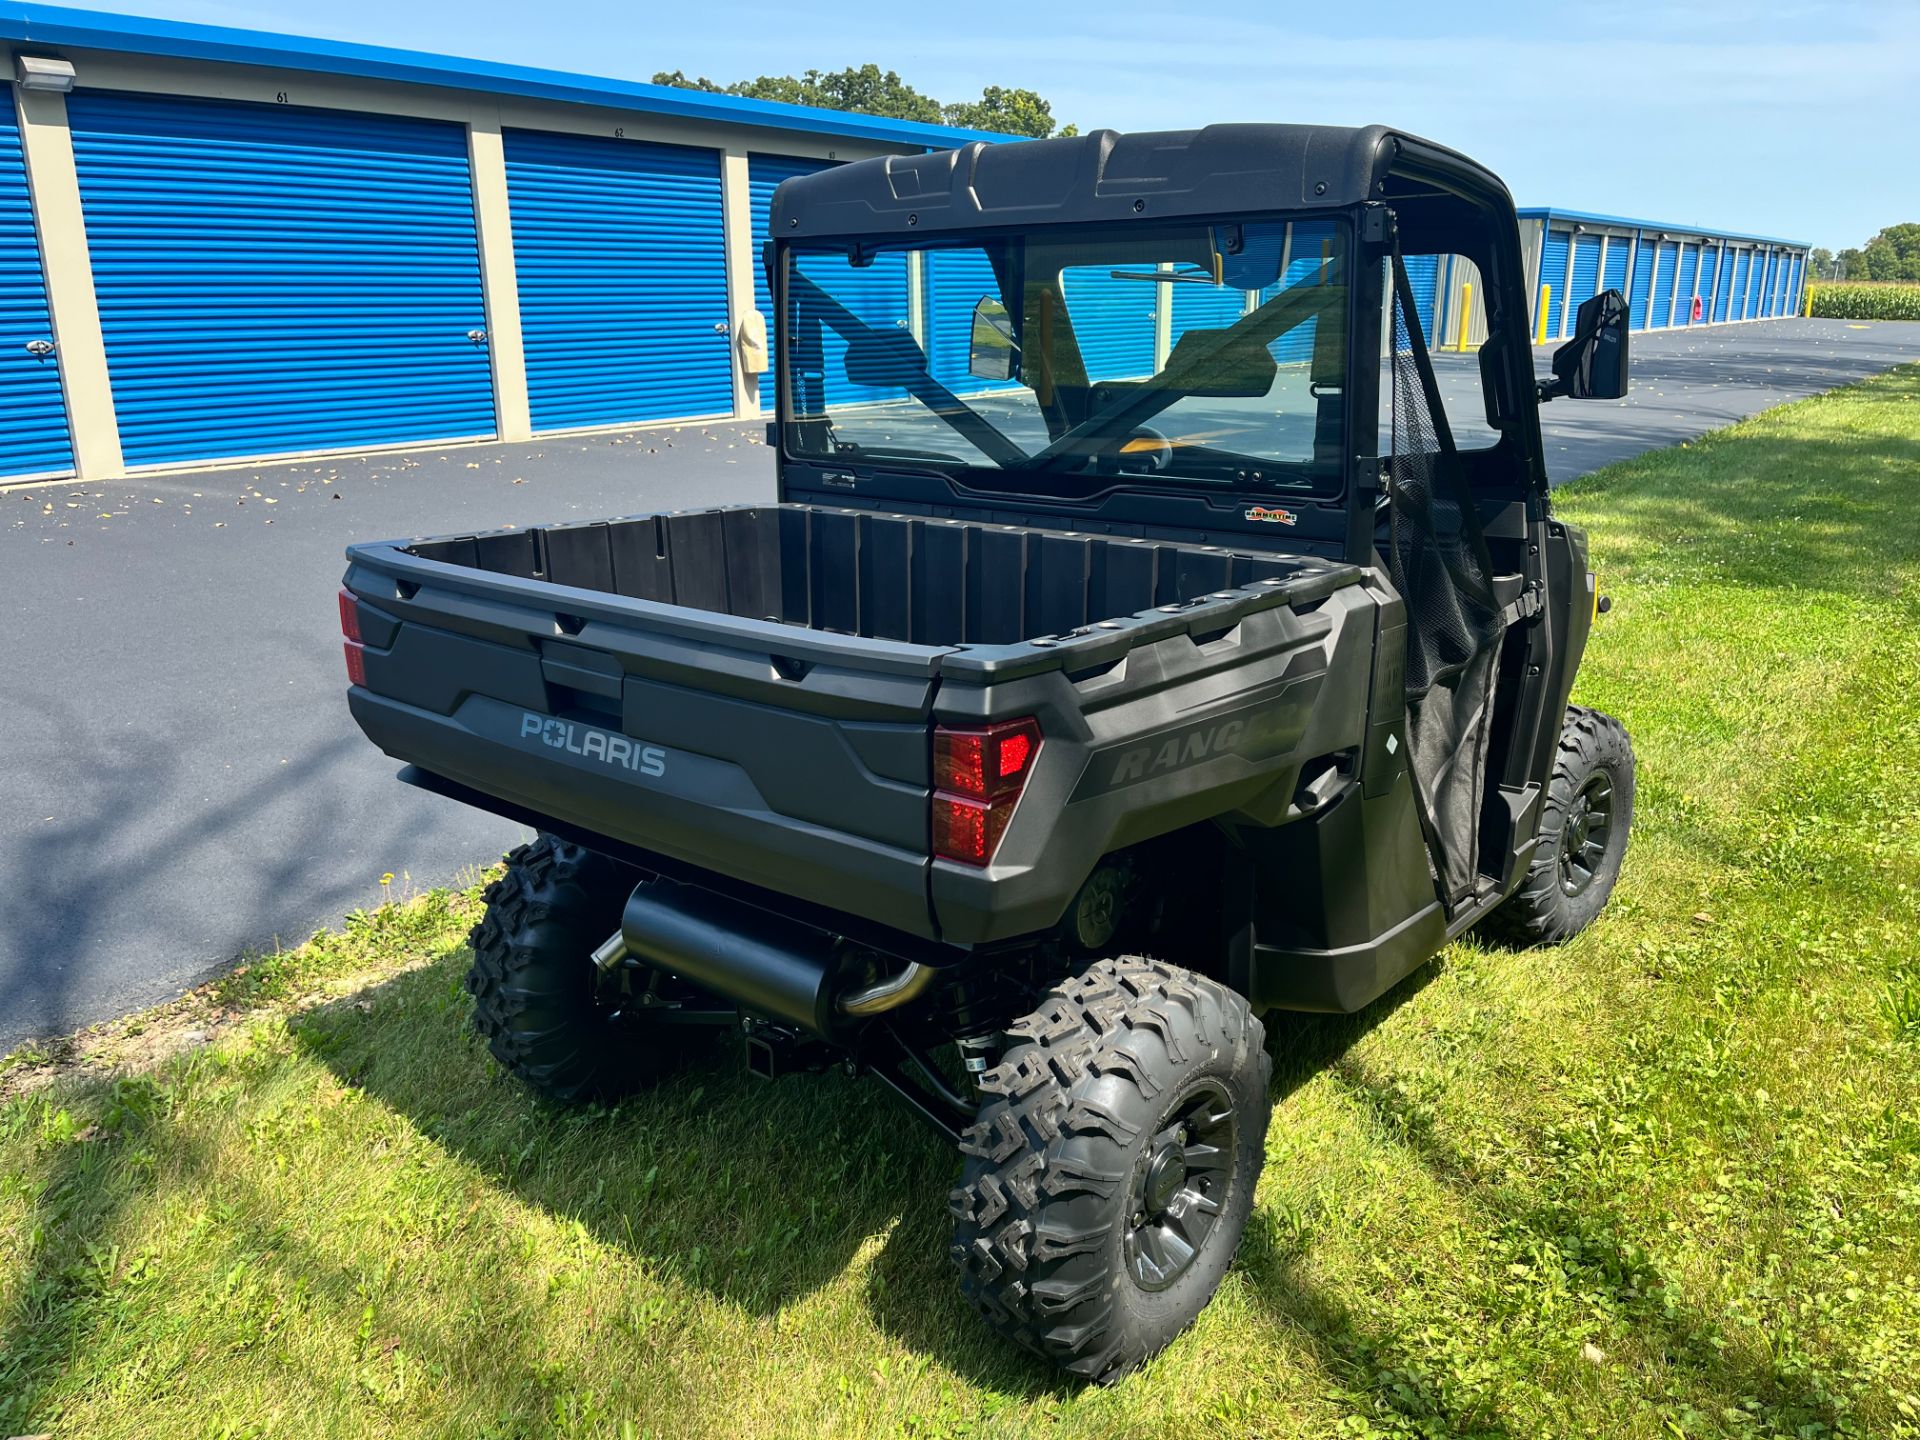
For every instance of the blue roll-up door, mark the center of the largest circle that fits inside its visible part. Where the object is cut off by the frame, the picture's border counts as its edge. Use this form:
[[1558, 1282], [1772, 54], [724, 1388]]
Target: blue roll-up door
[[33, 414], [273, 279], [1204, 307], [1742, 298], [877, 296], [621, 258], [764, 174], [1665, 264], [1709, 280], [1795, 283], [1763, 286], [1553, 280], [1723, 286], [1683, 286], [1586, 271], [1112, 319], [1619, 251], [1775, 292], [1640, 296]]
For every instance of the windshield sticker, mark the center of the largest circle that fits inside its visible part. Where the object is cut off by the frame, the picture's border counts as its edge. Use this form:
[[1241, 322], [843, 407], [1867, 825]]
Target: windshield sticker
[[1272, 515]]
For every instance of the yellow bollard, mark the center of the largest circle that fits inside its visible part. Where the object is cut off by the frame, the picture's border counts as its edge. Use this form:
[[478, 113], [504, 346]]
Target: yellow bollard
[[1546, 298], [1466, 311]]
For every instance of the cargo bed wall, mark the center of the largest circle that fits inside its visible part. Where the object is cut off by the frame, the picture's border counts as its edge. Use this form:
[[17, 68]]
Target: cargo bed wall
[[886, 577]]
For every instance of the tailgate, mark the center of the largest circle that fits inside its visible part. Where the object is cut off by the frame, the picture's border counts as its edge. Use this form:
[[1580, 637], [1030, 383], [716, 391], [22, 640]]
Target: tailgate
[[785, 757]]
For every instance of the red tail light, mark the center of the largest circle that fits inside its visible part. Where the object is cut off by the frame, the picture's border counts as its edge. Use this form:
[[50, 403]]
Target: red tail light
[[978, 774], [984, 762], [350, 627]]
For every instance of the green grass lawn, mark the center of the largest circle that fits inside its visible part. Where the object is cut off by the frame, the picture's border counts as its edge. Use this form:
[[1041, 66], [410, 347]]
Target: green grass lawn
[[1662, 1182]]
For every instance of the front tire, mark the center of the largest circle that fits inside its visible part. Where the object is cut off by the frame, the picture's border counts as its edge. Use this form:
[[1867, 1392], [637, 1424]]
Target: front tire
[[1583, 836], [1109, 1178], [537, 999]]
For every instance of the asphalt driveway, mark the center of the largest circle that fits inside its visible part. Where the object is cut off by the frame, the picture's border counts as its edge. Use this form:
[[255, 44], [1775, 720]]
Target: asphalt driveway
[[180, 782]]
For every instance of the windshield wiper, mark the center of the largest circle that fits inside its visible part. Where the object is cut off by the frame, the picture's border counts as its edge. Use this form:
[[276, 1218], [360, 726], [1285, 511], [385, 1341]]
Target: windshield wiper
[[1165, 277]]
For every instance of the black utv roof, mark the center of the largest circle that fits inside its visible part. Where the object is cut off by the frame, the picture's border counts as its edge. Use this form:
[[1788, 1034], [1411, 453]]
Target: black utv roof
[[1219, 170]]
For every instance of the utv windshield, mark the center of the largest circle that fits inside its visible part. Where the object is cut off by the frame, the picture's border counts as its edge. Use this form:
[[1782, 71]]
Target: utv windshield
[[1207, 354]]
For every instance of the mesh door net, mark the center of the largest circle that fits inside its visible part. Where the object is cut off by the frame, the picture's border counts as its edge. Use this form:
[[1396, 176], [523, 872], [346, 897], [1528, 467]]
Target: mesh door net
[[1438, 560]]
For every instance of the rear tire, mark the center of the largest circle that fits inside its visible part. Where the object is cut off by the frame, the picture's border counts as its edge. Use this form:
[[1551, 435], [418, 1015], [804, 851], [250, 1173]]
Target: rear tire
[[1107, 1182], [1583, 836], [536, 994]]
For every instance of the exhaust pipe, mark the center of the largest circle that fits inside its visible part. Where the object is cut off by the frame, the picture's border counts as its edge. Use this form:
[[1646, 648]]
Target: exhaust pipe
[[760, 961], [889, 994]]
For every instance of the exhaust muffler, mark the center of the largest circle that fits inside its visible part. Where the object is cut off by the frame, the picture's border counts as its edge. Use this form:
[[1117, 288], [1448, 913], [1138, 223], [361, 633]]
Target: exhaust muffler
[[762, 962]]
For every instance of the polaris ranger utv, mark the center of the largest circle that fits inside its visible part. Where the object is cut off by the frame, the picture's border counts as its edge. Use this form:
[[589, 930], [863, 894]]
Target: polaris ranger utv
[[1131, 649]]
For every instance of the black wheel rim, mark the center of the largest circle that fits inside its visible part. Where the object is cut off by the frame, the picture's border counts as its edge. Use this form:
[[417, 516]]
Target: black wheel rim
[[1585, 833], [1178, 1195]]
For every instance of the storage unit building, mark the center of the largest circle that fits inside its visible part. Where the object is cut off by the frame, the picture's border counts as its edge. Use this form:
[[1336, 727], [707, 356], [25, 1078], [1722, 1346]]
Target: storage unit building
[[274, 246], [1661, 269]]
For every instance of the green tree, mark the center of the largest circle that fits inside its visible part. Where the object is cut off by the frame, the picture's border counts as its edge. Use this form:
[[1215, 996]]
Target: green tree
[[1009, 112], [869, 90], [866, 89], [1893, 254], [1820, 264], [1849, 266], [678, 79]]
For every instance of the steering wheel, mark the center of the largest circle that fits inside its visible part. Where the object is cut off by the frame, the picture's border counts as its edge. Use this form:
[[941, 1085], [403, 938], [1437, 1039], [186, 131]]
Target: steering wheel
[[1145, 451]]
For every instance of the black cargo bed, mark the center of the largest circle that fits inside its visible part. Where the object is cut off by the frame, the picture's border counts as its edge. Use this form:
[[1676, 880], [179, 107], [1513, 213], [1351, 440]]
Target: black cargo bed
[[917, 581]]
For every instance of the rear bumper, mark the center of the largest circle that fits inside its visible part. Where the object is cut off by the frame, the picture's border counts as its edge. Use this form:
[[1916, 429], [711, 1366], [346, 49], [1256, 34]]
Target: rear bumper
[[692, 808]]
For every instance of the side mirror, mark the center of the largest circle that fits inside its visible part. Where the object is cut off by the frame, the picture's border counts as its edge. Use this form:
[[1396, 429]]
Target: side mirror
[[1593, 364], [991, 354]]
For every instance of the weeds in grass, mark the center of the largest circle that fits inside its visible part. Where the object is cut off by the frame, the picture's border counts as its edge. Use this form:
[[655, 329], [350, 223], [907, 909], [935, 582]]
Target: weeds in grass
[[1900, 1003]]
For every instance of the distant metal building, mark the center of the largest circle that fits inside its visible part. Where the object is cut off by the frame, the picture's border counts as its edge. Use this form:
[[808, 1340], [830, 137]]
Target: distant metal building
[[222, 245], [1672, 275]]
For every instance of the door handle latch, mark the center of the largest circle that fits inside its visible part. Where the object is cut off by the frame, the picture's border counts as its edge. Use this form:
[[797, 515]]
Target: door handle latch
[[40, 349], [719, 327], [478, 337]]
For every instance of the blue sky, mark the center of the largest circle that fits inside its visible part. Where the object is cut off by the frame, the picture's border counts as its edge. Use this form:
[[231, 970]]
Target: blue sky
[[1795, 119]]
